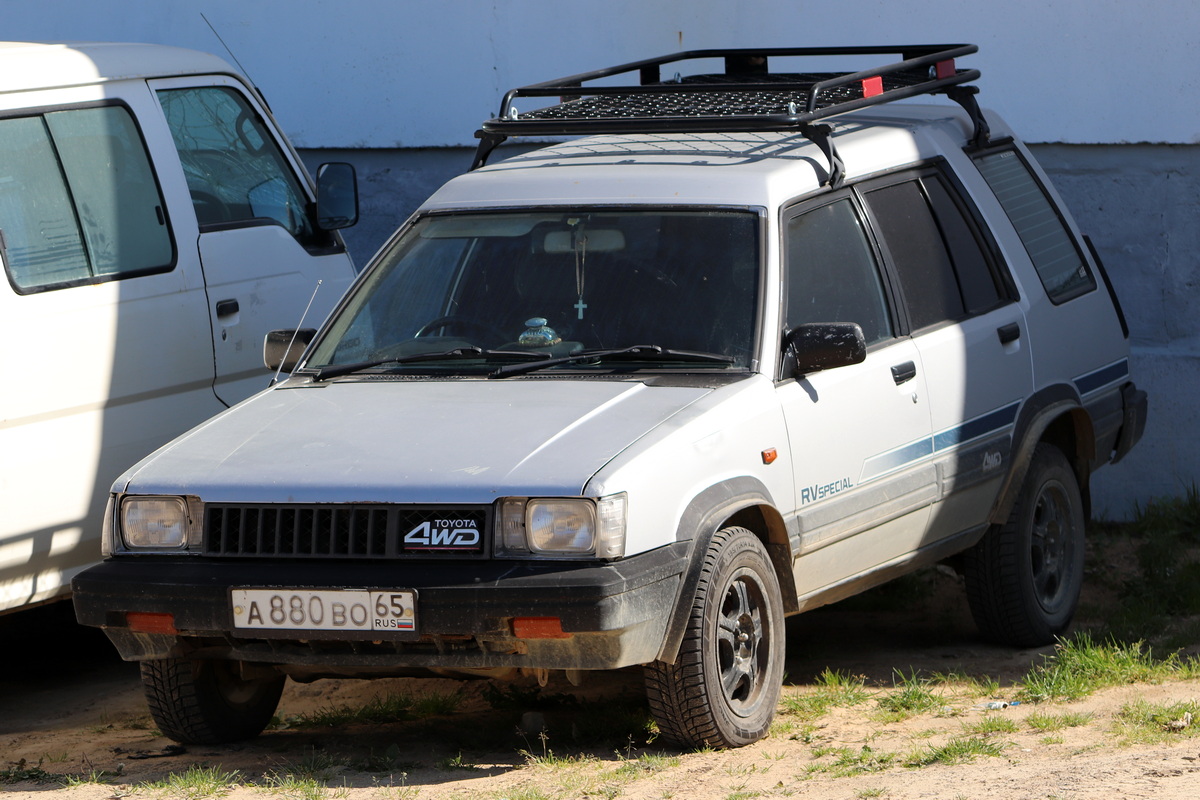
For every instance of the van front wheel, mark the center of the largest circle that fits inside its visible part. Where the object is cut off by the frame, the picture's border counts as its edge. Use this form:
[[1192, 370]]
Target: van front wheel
[[208, 702], [722, 689]]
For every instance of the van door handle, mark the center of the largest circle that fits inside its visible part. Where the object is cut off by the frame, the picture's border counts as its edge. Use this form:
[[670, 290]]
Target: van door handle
[[903, 373], [1009, 333], [227, 308]]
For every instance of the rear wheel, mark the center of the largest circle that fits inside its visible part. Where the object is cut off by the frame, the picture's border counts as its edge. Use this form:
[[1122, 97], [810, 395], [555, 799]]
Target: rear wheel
[[722, 689], [1023, 578], [208, 702]]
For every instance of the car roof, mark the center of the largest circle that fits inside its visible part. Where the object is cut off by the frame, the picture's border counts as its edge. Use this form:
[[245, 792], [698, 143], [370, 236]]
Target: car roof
[[730, 169], [28, 66]]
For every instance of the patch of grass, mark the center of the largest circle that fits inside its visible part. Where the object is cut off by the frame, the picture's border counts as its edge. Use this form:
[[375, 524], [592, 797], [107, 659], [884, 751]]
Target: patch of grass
[[832, 690], [1047, 723], [743, 794], [1167, 586], [196, 782], [1079, 666], [990, 725], [22, 771], [455, 762], [970, 685], [294, 787], [846, 761], [956, 751], [1141, 722], [645, 764], [912, 695]]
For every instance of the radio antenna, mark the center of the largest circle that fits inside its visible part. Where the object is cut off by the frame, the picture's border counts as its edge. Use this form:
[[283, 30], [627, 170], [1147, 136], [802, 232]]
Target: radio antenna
[[227, 48], [295, 333]]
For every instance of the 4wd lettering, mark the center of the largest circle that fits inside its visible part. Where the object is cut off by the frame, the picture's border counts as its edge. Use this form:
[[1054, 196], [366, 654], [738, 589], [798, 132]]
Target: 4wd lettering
[[819, 491], [443, 534]]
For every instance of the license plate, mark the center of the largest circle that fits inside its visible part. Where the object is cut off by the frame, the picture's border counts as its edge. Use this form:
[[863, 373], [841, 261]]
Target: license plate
[[392, 611]]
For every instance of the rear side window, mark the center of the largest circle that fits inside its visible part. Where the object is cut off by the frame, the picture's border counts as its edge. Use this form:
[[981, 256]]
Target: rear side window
[[235, 171], [78, 200], [1059, 263], [943, 270]]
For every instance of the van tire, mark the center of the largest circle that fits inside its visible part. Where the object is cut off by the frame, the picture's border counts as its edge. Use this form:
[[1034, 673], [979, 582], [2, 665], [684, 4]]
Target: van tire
[[1024, 577], [208, 702], [724, 685]]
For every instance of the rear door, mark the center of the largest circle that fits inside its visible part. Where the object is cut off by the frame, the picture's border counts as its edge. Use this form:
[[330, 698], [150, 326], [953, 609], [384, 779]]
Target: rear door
[[263, 258], [970, 332]]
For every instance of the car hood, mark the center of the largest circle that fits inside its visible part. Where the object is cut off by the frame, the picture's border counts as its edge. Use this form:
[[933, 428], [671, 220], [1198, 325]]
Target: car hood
[[426, 441]]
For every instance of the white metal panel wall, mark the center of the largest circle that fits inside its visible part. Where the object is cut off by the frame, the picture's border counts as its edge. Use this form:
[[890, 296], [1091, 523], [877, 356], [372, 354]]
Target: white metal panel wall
[[402, 73]]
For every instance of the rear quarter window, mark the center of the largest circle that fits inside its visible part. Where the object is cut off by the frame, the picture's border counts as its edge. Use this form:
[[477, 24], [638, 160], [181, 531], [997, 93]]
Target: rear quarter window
[[1057, 258]]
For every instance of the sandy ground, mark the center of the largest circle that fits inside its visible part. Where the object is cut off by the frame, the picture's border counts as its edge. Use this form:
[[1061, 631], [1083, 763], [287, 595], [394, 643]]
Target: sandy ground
[[70, 707]]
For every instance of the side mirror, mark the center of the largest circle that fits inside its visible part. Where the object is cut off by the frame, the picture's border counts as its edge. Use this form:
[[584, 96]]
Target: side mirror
[[815, 346], [282, 349], [337, 196]]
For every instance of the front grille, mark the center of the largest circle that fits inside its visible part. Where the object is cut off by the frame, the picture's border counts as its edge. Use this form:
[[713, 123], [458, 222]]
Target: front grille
[[341, 531]]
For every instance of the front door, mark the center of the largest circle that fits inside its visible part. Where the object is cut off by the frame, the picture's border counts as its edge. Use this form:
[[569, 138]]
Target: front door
[[263, 258], [859, 434]]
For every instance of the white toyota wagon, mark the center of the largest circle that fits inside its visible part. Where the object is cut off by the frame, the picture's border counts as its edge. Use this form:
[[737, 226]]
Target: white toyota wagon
[[753, 340]]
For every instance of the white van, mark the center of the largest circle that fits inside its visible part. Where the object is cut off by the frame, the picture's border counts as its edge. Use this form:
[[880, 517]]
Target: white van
[[154, 225]]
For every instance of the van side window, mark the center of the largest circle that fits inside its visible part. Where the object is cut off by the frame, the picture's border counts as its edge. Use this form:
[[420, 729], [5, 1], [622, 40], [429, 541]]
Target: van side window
[[78, 200], [1056, 257], [832, 274], [235, 170], [942, 269]]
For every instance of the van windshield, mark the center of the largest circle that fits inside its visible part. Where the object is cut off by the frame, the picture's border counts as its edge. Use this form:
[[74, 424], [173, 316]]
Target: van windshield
[[554, 283]]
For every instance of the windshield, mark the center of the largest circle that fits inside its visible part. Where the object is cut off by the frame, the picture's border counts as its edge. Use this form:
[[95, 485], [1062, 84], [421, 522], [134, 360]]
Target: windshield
[[499, 287]]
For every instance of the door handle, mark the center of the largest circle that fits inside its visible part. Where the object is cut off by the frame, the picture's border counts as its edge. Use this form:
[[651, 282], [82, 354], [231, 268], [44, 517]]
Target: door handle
[[226, 308], [903, 373], [1009, 333]]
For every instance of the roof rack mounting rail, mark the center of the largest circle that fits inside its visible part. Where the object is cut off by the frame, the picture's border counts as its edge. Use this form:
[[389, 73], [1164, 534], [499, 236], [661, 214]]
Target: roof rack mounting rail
[[746, 96]]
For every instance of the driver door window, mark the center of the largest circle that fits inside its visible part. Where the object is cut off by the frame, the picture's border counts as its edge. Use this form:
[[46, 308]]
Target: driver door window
[[235, 171]]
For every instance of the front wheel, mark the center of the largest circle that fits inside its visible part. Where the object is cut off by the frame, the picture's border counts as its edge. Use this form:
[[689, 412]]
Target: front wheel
[[1024, 577], [722, 689], [208, 702]]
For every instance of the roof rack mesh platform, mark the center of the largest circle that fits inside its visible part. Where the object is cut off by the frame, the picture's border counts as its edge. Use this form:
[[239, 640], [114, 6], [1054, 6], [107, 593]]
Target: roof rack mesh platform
[[747, 96]]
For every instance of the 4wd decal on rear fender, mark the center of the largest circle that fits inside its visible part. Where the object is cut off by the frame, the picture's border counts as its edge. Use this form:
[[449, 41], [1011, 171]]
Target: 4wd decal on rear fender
[[444, 534]]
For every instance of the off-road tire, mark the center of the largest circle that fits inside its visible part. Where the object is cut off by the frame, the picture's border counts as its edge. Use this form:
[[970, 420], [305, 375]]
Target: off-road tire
[[1023, 578], [724, 685], [208, 702]]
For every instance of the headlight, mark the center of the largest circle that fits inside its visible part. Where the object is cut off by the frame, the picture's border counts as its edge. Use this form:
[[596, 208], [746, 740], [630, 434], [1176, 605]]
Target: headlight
[[562, 527], [160, 523]]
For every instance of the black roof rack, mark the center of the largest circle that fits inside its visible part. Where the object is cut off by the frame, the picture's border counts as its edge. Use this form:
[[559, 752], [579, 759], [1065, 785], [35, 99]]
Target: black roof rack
[[747, 96]]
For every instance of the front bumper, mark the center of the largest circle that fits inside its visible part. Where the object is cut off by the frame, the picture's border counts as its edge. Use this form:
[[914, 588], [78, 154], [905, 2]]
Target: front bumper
[[612, 615]]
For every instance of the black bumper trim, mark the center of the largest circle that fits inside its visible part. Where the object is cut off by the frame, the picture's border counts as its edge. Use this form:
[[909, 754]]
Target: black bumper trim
[[467, 599]]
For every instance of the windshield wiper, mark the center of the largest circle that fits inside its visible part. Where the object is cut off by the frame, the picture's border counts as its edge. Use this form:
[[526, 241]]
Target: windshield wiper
[[336, 370], [637, 352]]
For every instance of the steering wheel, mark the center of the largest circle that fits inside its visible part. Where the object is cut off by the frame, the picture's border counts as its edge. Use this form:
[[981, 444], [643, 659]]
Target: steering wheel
[[466, 322]]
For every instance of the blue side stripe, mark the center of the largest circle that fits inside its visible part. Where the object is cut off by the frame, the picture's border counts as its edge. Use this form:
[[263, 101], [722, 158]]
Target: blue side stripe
[[973, 429], [1102, 377], [886, 462], [989, 423]]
